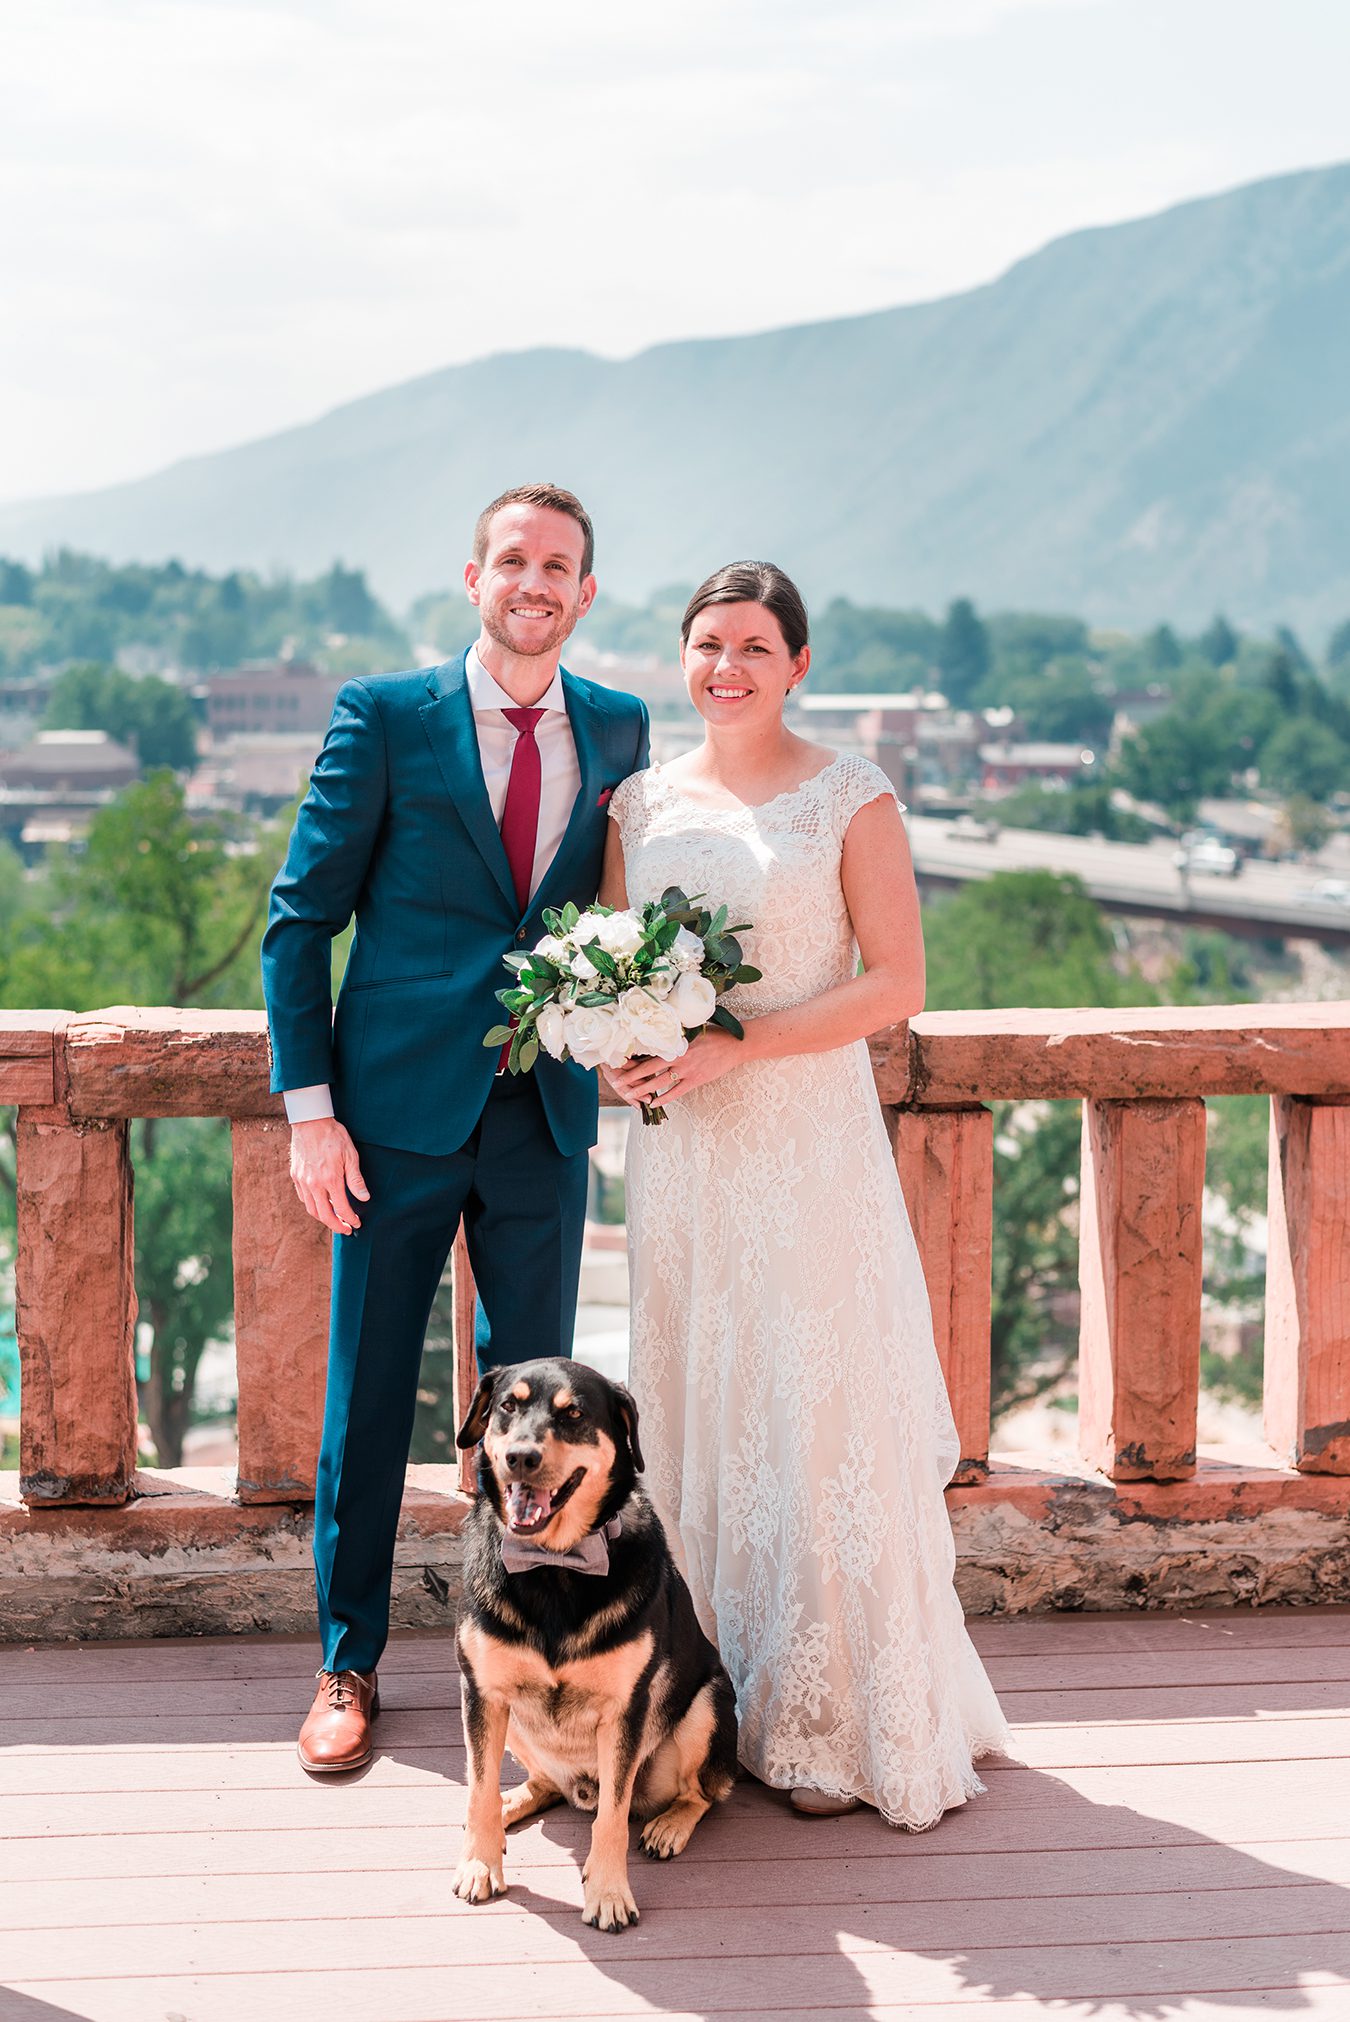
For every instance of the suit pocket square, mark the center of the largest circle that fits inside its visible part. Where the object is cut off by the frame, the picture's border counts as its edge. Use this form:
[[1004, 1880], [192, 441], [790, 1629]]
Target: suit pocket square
[[606, 795]]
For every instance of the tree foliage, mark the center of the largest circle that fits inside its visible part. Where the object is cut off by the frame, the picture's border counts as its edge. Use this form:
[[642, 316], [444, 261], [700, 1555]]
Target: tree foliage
[[153, 717]]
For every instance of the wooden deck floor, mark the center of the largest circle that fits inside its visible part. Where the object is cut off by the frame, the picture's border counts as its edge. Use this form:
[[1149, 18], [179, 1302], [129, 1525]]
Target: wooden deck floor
[[1172, 1840]]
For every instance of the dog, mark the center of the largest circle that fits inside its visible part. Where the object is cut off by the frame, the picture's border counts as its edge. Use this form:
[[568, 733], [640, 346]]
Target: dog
[[578, 1642]]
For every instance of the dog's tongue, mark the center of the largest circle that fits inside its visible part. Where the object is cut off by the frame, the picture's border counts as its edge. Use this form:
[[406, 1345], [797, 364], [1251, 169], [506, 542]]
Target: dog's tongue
[[527, 1508]]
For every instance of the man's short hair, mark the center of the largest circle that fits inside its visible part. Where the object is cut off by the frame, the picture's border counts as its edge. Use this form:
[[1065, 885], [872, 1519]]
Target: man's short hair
[[554, 499]]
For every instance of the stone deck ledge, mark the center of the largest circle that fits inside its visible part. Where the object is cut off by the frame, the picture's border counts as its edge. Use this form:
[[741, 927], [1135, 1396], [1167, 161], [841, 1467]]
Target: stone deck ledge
[[184, 1558]]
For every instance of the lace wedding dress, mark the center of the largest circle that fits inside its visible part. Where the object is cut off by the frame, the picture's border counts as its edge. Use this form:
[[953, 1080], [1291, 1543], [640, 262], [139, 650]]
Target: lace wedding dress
[[795, 1424]]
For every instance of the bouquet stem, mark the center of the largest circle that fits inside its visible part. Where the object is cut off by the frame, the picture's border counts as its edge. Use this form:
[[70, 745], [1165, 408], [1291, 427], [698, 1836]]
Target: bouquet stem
[[652, 1112]]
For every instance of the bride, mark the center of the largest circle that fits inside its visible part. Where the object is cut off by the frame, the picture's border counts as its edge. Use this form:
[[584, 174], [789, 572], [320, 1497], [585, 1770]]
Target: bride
[[797, 1429]]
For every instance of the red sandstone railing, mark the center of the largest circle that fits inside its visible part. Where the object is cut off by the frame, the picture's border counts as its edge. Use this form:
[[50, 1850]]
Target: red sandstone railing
[[1143, 1076]]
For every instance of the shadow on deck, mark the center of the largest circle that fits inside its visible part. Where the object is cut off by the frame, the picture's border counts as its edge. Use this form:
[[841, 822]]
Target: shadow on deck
[[1172, 1839]]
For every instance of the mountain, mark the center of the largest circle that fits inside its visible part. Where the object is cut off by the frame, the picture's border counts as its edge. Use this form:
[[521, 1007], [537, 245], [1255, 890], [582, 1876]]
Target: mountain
[[1145, 421]]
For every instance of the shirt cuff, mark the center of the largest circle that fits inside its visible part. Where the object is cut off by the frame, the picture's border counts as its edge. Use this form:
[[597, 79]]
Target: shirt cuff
[[307, 1105]]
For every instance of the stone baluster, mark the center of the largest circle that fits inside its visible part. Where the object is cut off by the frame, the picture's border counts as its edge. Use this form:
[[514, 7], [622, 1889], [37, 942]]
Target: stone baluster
[[1307, 1357], [945, 1158], [75, 1312], [1140, 1268], [465, 1312], [282, 1269]]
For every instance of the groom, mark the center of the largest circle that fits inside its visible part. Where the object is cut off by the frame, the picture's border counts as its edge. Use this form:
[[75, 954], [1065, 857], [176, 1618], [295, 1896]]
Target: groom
[[448, 807]]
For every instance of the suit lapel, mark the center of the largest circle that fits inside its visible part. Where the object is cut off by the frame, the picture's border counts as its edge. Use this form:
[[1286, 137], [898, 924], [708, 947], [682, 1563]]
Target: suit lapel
[[587, 719], [448, 718]]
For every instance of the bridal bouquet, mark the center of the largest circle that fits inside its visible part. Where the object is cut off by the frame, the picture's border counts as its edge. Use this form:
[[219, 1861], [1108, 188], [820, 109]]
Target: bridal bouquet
[[607, 986]]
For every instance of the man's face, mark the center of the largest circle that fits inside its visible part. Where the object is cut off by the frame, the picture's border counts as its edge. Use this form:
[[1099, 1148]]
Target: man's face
[[530, 591]]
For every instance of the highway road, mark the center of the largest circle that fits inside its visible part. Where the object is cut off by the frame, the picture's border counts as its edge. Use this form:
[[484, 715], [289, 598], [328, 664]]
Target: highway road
[[1139, 878]]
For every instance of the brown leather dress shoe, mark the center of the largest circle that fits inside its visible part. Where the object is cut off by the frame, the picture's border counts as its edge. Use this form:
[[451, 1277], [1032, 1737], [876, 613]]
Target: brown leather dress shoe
[[336, 1733]]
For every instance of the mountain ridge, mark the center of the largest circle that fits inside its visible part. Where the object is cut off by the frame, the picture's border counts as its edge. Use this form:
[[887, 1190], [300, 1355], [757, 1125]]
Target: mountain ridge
[[1137, 421]]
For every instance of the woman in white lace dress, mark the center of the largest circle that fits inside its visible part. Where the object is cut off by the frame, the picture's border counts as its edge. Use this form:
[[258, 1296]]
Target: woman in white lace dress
[[795, 1422]]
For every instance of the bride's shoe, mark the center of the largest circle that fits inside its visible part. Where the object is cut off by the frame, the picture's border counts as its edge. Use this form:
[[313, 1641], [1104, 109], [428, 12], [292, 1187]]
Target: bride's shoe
[[819, 1803]]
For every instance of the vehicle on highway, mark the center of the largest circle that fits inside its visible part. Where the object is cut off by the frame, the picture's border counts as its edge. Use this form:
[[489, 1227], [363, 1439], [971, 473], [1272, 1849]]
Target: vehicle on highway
[[1326, 891], [1207, 854], [971, 828]]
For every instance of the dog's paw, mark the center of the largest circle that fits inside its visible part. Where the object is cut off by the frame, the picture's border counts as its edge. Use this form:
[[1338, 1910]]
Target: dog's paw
[[477, 1881], [609, 1905], [669, 1832]]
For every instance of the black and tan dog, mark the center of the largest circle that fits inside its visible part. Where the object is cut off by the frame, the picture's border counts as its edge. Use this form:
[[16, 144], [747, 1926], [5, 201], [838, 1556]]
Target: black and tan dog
[[578, 1641]]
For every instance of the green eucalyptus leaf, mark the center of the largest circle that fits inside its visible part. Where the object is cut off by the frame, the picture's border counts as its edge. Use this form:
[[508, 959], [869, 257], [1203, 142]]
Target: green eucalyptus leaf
[[498, 1036], [745, 974], [728, 1022], [570, 916]]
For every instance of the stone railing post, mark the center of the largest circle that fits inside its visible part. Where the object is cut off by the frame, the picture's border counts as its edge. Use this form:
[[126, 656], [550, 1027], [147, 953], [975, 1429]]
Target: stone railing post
[[75, 1312], [465, 1314], [1307, 1358], [282, 1268], [945, 1158], [1140, 1268]]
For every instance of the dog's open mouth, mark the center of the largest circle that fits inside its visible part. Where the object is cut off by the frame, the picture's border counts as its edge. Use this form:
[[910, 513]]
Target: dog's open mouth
[[529, 1507]]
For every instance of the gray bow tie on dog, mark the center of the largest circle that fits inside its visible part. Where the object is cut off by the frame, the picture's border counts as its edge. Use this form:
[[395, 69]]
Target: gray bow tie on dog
[[589, 1555]]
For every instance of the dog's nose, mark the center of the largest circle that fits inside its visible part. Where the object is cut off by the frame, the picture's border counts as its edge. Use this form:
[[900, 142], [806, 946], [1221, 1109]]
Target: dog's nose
[[524, 1459]]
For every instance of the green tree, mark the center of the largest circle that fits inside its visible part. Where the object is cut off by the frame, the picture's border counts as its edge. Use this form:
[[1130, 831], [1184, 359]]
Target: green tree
[[1162, 650], [1307, 759], [1024, 938], [159, 909], [1219, 642], [152, 716], [184, 1270], [1338, 649], [1028, 938], [962, 652]]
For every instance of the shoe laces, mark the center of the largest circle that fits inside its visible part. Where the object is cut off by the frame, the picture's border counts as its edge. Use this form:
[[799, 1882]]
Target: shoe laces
[[342, 1688]]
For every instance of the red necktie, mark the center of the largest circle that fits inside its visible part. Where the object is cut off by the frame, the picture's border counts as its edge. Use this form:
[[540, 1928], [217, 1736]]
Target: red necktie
[[520, 814]]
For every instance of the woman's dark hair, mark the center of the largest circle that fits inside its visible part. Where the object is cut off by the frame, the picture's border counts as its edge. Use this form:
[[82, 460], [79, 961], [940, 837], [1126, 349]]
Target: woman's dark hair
[[754, 583]]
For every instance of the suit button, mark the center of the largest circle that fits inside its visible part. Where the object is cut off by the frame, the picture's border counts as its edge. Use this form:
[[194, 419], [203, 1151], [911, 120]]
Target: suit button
[[521, 935]]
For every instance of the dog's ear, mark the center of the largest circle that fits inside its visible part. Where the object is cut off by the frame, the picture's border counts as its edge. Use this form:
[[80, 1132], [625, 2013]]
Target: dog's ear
[[627, 1410], [475, 1425]]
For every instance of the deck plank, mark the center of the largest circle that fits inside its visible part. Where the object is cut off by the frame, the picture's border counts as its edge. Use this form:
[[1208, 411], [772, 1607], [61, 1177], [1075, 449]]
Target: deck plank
[[409, 1762], [417, 1882], [1179, 1793]]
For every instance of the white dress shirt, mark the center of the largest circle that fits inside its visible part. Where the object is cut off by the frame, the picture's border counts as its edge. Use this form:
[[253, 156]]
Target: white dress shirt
[[560, 779]]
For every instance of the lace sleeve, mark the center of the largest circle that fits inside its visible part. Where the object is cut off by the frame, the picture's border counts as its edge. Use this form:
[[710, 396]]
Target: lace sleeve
[[856, 783], [625, 805]]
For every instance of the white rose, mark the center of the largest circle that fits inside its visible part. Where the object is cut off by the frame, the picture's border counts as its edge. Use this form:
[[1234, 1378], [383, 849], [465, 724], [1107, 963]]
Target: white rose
[[584, 967], [687, 951], [551, 1025], [587, 929], [661, 981], [554, 950], [598, 1038], [619, 935], [693, 999], [654, 1025]]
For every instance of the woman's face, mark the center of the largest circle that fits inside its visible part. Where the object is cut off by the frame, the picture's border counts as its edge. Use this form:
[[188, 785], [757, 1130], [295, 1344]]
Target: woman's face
[[737, 666]]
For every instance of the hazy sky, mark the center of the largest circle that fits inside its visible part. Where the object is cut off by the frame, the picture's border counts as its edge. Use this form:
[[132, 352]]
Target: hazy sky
[[225, 216]]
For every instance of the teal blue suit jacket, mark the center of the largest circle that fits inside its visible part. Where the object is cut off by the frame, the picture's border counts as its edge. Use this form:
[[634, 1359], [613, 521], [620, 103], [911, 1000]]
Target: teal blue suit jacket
[[397, 829]]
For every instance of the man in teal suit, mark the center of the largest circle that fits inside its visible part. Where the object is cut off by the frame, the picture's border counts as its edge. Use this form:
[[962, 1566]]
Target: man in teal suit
[[448, 807]]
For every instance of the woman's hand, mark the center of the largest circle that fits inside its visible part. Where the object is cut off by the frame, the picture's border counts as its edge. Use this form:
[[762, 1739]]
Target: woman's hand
[[665, 1081]]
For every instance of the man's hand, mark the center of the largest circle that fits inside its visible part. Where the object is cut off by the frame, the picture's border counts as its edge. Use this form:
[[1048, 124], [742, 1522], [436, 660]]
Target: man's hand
[[325, 1171]]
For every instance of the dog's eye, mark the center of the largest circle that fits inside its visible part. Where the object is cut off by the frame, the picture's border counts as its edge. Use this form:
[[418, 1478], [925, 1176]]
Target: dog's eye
[[574, 1412], [507, 1406]]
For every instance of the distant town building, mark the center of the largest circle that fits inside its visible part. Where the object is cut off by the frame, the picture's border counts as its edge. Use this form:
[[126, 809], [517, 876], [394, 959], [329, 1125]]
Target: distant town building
[[287, 696], [61, 761], [52, 787], [1004, 766], [259, 775]]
